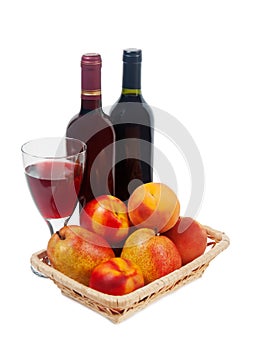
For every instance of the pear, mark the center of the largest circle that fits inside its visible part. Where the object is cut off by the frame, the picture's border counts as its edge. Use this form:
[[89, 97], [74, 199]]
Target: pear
[[155, 255], [75, 251]]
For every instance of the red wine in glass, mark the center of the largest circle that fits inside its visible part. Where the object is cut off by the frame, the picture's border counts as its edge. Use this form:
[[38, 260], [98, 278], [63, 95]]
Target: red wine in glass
[[54, 186], [54, 168]]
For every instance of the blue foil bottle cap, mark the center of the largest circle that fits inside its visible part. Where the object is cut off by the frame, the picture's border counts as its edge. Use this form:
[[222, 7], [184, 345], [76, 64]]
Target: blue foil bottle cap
[[132, 55]]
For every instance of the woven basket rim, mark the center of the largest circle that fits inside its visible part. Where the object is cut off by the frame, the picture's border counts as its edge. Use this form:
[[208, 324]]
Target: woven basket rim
[[220, 242]]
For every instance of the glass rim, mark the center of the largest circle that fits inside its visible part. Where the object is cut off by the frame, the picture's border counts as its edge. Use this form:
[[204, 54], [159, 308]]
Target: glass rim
[[83, 144]]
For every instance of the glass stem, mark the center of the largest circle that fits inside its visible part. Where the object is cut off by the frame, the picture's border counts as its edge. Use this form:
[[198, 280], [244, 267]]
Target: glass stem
[[56, 224]]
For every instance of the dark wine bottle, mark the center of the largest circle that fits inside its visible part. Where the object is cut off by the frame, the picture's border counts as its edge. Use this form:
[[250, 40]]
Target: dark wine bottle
[[93, 127], [132, 119]]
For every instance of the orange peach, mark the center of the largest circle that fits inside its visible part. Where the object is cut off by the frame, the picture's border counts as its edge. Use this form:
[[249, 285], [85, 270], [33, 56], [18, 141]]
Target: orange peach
[[154, 205], [75, 251], [156, 255], [116, 276], [189, 237], [107, 216]]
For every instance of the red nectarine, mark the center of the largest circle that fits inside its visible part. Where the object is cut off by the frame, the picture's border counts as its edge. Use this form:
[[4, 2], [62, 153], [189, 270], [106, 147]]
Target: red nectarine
[[116, 276], [189, 237], [107, 216]]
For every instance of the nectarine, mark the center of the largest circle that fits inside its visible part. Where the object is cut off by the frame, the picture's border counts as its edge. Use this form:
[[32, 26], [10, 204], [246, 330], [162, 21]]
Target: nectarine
[[154, 205], [189, 237], [107, 216], [116, 276]]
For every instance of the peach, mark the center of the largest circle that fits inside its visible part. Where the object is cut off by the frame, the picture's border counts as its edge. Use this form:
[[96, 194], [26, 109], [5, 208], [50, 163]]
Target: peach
[[107, 216], [156, 255], [189, 237], [154, 205], [75, 251], [116, 276]]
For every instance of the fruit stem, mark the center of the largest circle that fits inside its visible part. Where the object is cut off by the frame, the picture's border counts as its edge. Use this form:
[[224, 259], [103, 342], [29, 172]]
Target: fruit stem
[[211, 243], [61, 237], [156, 232]]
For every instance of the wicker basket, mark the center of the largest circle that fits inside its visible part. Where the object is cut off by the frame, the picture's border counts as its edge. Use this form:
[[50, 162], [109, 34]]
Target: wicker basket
[[117, 308]]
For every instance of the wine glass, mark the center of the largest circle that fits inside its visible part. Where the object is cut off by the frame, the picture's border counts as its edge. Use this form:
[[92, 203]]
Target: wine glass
[[54, 168]]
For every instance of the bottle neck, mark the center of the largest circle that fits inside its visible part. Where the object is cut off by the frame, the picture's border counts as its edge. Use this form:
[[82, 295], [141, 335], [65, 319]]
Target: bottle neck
[[131, 82], [91, 97], [134, 92], [90, 105]]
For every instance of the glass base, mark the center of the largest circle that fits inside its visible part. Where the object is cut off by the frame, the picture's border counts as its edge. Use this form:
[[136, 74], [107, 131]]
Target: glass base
[[37, 273]]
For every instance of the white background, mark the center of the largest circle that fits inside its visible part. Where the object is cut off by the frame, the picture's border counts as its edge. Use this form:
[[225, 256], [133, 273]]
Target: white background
[[199, 64]]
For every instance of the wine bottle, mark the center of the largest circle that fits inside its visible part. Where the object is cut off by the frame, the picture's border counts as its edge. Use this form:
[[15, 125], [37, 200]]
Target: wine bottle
[[132, 119], [93, 127]]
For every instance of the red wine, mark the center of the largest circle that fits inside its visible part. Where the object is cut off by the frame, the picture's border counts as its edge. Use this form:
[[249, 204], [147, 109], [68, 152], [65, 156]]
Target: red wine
[[54, 187], [93, 127], [132, 119]]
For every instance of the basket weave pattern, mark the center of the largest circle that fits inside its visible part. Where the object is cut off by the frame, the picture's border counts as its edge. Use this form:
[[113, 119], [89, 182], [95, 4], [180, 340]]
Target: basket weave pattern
[[117, 308]]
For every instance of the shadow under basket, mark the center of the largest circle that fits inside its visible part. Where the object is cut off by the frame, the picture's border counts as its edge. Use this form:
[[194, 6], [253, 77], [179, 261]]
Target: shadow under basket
[[118, 308]]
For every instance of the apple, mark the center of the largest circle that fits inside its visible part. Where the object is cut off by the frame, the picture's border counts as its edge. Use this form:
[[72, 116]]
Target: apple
[[116, 276], [154, 205], [156, 255], [107, 216], [75, 251], [189, 237]]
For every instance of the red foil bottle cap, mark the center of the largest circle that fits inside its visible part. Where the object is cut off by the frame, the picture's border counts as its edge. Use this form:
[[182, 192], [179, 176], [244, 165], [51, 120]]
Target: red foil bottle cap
[[91, 64], [91, 59]]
